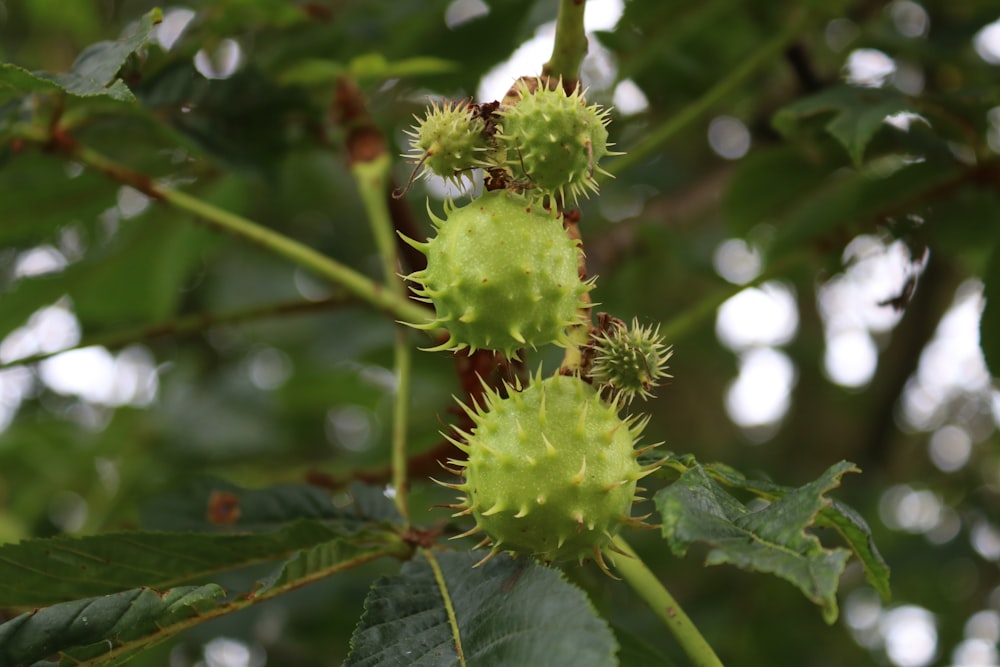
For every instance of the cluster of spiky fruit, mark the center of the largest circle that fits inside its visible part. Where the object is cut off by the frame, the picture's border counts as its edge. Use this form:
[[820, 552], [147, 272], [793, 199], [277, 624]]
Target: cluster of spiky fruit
[[551, 468], [546, 141]]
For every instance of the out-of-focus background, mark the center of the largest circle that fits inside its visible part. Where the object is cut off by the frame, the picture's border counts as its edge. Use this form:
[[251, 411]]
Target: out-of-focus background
[[864, 222]]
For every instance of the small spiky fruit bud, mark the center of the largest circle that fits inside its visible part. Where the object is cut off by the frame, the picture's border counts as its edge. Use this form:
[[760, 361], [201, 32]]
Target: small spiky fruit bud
[[501, 274], [553, 140], [630, 361], [449, 141], [551, 471]]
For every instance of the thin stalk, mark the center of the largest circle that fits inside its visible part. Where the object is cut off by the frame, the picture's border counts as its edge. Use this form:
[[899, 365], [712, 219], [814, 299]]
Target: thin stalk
[[698, 108], [634, 571], [570, 43], [372, 177]]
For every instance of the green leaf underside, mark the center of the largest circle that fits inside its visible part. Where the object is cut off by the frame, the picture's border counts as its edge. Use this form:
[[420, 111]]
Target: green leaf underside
[[509, 612], [858, 113], [696, 508], [268, 508], [837, 515], [110, 629], [46, 571]]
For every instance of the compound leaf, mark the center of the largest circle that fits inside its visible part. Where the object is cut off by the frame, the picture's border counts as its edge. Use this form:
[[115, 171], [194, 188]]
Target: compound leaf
[[505, 612], [696, 508]]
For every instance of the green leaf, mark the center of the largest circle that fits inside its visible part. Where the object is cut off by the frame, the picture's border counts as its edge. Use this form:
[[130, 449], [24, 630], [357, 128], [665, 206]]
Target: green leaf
[[100, 627], [696, 508], [268, 508], [16, 82], [839, 516], [111, 629], [858, 113], [507, 613], [888, 187], [45, 571], [95, 69], [989, 324]]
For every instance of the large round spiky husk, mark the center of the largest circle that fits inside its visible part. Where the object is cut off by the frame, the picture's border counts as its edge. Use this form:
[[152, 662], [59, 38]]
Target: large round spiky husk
[[551, 471], [501, 275]]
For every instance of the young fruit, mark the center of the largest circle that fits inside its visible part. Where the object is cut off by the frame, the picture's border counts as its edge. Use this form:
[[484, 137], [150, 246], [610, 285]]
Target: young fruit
[[449, 141], [553, 141], [630, 361], [551, 471], [501, 274]]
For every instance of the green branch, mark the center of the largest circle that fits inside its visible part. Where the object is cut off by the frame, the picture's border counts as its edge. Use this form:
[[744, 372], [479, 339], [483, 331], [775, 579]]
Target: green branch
[[354, 282], [704, 104], [372, 177], [570, 43], [663, 604]]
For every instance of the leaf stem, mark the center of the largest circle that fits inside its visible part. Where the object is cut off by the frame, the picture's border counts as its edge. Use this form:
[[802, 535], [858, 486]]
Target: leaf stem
[[679, 121], [663, 604], [570, 43], [448, 607], [372, 177]]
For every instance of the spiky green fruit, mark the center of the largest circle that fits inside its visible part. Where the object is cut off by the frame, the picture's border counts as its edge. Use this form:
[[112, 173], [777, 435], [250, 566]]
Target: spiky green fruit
[[449, 141], [553, 140], [630, 362], [551, 471], [502, 275]]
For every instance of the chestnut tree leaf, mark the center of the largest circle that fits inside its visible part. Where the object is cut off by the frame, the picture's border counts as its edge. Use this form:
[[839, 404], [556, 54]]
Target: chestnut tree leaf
[[266, 509], [111, 629], [50, 570], [100, 629], [505, 612], [837, 515], [857, 113], [696, 508]]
